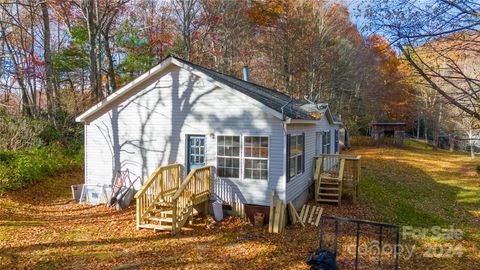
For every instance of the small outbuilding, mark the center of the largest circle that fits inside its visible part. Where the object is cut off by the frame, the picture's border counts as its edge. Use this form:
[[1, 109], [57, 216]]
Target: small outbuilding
[[394, 130]]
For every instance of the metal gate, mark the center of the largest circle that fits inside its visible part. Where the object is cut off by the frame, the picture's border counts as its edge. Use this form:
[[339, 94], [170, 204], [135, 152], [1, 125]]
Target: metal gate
[[360, 244]]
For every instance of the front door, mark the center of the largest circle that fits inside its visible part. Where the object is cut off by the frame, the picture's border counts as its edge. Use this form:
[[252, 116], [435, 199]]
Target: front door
[[195, 151]]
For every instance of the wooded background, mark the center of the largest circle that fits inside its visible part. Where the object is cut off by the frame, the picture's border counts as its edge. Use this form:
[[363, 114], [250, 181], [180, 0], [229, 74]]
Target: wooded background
[[419, 63]]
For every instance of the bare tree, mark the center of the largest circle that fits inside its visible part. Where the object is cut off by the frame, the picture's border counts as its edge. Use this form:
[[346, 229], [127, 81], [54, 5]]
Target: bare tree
[[99, 17], [47, 54], [187, 11], [430, 35]]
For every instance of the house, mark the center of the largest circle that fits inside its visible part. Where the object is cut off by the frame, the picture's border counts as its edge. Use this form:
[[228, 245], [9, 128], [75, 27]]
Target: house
[[395, 130], [257, 139]]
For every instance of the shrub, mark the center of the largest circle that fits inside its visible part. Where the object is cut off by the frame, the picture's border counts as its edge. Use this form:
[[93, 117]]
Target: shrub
[[362, 141], [478, 168], [17, 132], [22, 167]]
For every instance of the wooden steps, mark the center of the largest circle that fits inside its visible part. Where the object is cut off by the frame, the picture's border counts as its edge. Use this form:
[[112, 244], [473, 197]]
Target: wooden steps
[[337, 174], [155, 227], [328, 194], [160, 219], [163, 204], [328, 187], [328, 200]]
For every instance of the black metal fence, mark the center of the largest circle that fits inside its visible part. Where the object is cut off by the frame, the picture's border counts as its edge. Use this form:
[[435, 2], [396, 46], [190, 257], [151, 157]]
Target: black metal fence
[[360, 244]]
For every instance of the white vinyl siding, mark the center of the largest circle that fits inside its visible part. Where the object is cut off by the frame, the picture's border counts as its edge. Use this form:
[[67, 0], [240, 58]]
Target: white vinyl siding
[[299, 184], [150, 127]]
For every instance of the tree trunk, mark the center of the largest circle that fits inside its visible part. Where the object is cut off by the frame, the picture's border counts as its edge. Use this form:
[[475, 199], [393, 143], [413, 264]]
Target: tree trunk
[[471, 142], [25, 103], [92, 55], [110, 69], [49, 82], [418, 128], [451, 142]]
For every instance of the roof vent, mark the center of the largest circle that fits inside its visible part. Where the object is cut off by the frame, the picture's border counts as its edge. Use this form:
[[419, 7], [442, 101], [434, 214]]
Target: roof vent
[[246, 73]]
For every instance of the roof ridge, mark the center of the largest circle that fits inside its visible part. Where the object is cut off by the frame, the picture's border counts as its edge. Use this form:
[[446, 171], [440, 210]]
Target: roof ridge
[[239, 80]]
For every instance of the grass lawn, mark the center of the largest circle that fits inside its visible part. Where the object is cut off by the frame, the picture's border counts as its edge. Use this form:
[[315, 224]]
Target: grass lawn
[[41, 228]]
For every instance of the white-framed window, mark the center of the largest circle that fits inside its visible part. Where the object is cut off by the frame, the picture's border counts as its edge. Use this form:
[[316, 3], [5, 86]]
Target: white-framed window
[[255, 157], [228, 156], [296, 155], [326, 142]]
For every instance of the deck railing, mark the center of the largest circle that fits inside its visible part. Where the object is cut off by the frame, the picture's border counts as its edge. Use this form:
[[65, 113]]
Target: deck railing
[[163, 182], [351, 171], [193, 190], [331, 163]]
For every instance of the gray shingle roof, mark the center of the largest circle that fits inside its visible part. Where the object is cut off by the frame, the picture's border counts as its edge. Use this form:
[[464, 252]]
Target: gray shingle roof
[[269, 97]]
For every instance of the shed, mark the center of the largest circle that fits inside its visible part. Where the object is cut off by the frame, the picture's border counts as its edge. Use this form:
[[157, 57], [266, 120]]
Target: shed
[[394, 130]]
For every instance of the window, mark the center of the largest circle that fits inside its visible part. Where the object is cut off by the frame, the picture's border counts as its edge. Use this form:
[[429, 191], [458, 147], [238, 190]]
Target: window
[[336, 141], [228, 156], [255, 150], [326, 142], [296, 155], [318, 143]]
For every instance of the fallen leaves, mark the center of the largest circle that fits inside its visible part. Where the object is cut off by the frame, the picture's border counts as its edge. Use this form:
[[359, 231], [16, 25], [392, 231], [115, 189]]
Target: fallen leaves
[[40, 227]]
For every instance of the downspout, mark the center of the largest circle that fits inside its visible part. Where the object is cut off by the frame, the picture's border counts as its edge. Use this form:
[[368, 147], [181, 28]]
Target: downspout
[[284, 123]]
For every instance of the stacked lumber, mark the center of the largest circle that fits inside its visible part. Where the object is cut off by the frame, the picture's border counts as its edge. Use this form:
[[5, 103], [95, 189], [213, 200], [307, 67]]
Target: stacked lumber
[[277, 219], [308, 214]]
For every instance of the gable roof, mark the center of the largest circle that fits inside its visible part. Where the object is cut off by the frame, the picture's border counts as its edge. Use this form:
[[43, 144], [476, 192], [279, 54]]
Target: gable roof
[[280, 103], [269, 97]]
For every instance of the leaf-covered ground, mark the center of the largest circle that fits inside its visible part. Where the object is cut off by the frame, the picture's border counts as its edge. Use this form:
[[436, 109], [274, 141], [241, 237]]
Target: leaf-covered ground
[[40, 228]]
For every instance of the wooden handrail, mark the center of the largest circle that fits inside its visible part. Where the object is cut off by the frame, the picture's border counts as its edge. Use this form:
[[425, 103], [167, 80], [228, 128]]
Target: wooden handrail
[[197, 183], [345, 167], [152, 178], [339, 156], [187, 180], [184, 184], [162, 182]]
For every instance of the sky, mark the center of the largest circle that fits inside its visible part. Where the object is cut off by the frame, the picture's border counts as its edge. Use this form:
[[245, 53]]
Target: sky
[[356, 18]]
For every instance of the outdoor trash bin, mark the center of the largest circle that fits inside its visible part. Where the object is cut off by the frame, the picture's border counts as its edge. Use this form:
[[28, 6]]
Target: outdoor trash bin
[[218, 210], [322, 260]]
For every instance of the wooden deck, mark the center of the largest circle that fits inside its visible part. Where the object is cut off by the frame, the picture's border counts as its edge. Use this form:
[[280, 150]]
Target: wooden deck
[[335, 174]]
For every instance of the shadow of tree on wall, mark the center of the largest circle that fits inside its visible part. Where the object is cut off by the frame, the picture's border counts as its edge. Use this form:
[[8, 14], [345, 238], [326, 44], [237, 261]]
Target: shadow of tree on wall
[[150, 146], [112, 133], [148, 111], [235, 191]]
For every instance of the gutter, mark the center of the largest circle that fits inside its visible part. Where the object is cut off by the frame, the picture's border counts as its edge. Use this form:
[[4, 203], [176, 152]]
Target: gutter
[[282, 108]]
